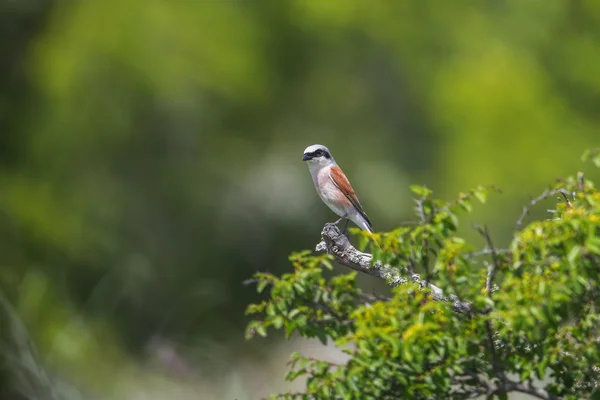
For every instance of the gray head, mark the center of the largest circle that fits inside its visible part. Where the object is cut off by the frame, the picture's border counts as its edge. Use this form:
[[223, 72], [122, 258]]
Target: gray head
[[318, 154]]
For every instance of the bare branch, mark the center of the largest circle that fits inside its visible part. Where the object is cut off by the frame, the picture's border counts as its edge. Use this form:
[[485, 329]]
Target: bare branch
[[421, 209], [493, 268], [338, 245], [328, 310], [580, 181], [293, 395], [529, 389], [251, 281], [369, 298], [545, 194]]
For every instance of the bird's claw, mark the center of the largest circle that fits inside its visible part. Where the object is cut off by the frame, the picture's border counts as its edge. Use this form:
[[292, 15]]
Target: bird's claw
[[336, 223], [330, 224]]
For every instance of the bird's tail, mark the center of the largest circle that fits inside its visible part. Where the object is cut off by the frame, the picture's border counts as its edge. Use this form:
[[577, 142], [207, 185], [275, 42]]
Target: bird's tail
[[364, 224]]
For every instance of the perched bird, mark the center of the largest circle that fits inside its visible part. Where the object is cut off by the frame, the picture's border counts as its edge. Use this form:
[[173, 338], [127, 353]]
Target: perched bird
[[333, 187]]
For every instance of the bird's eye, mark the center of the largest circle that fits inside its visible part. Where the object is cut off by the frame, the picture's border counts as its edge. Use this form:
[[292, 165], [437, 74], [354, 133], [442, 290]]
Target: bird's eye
[[318, 153]]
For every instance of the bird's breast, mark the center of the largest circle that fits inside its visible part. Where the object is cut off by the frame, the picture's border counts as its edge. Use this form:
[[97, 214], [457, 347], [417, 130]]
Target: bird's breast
[[329, 192]]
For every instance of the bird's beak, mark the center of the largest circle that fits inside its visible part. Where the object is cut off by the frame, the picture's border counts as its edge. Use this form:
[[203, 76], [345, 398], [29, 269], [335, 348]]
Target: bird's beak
[[306, 157]]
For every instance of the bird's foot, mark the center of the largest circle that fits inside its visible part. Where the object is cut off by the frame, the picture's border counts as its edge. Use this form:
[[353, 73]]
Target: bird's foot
[[331, 224], [336, 223]]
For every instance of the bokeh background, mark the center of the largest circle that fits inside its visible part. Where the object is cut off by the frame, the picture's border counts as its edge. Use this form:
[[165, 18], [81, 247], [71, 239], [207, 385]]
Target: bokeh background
[[150, 161]]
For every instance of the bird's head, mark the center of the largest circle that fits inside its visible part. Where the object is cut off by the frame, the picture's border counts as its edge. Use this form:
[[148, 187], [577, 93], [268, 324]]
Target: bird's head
[[317, 154]]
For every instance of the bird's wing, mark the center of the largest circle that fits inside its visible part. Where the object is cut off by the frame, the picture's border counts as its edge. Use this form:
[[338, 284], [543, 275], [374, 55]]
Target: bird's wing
[[342, 183]]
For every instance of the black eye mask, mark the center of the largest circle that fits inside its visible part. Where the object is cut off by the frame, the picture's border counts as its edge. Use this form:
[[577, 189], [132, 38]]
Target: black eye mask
[[321, 153], [317, 153]]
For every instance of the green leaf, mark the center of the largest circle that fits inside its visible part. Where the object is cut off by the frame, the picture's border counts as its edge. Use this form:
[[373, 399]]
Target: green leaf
[[465, 205], [261, 285], [289, 329], [542, 288], [586, 155], [322, 336], [594, 154], [299, 288], [593, 244], [340, 390], [420, 190], [261, 330], [573, 254], [277, 321], [325, 391], [481, 195], [406, 354], [541, 369]]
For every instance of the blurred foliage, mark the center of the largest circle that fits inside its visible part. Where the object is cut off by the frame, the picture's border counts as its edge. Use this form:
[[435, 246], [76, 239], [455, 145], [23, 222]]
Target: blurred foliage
[[538, 319], [150, 150]]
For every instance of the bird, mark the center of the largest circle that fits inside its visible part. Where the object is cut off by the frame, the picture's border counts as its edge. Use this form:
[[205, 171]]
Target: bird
[[334, 188]]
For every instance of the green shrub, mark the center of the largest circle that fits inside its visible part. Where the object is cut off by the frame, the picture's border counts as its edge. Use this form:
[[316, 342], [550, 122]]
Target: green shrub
[[518, 319]]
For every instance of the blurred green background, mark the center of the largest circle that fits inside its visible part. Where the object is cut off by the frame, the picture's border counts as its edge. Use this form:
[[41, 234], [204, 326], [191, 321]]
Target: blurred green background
[[150, 161]]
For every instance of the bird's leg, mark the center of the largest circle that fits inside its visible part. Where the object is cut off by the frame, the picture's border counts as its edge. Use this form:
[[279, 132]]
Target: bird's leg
[[340, 220], [345, 226]]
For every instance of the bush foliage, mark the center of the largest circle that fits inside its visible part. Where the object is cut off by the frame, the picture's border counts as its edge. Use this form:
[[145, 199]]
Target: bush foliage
[[533, 329]]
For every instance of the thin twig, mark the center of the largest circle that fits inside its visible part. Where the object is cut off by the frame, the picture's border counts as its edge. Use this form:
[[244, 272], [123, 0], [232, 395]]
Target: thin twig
[[423, 220], [251, 281], [495, 365], [493, 268], [421, 210], [486, 252], [314, 360], [580, 181], [294, 395], [369, 298], [545, 194], [326, 309]]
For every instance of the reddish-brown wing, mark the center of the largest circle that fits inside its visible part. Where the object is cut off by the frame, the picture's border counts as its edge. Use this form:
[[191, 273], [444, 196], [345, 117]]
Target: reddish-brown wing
[[340, 180]]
